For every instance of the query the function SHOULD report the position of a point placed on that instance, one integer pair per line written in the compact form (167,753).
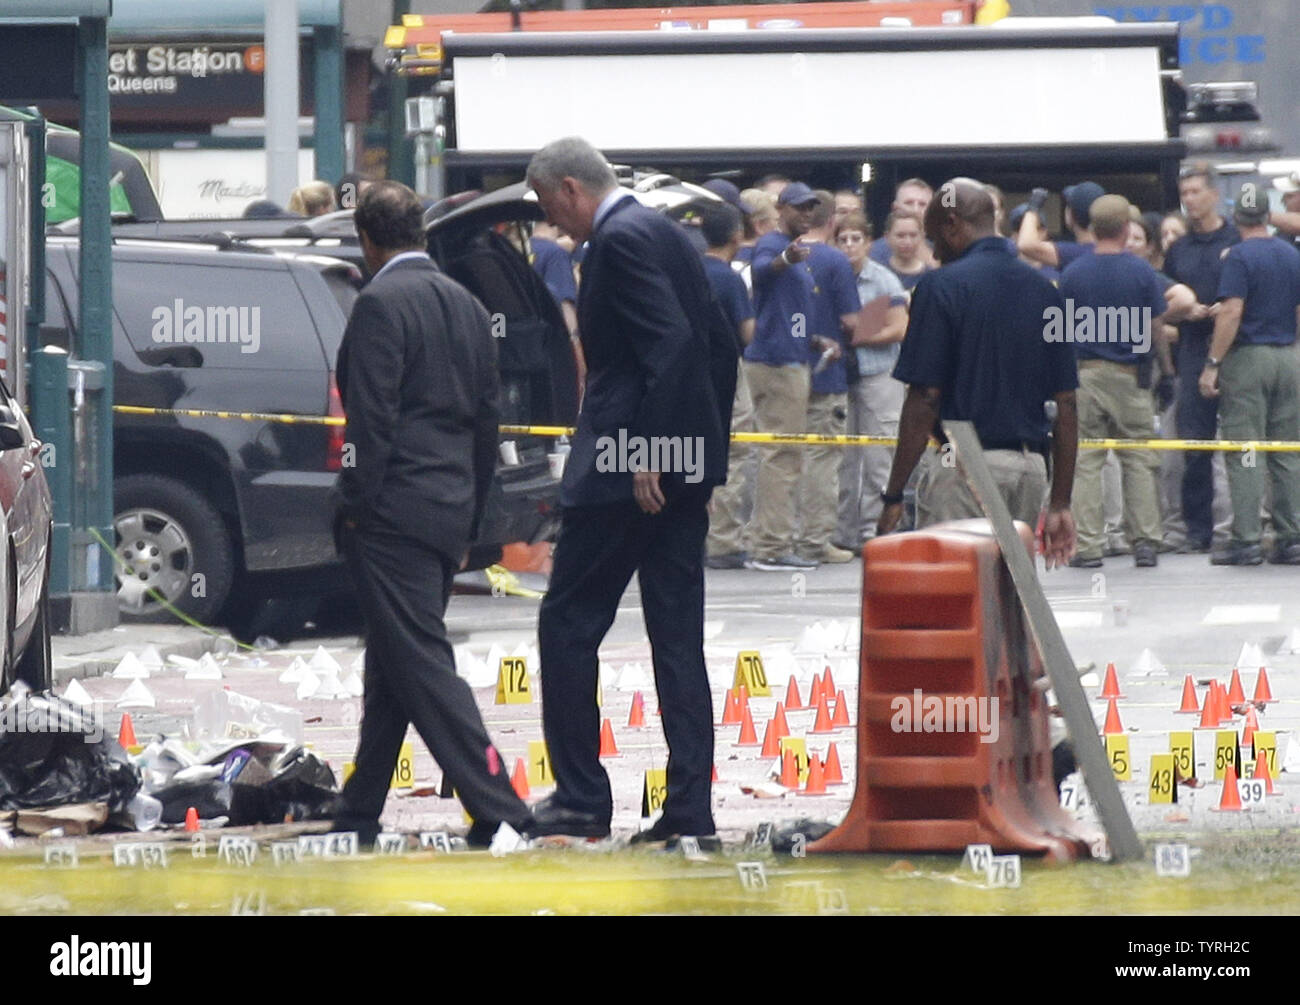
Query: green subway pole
(327,68)
(401,152)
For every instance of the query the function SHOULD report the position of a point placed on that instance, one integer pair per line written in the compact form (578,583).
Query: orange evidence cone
(607,746)
(816,778)
(840,720)
(1110,686)
(714,776)
(823,723)
(814,692)
(742,696)
(1210,711)
(126,733)
(519,780)
(789,771)
(731,709)
(192,820)
(1263,693)
(834,773)
(1113,724)
(1190,705)
(771,740)
(828,684)
(778,719)
(1230,801)
(792,700)
(748,737)
(636,718)
(1261,771)
(1235,693)
(1224,706)
(1252,724)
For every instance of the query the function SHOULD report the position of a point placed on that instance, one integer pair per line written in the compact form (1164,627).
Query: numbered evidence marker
(1265,743)
(539,764)
(150,856)
(403,772)
(1161,788)
(390,844)
(1226,751)
(1118,754)
(977,858)
(1004,871)
(1180,745)
(1252,792)
(1072,794)
(64,854)
(1173,860)
(235,850)
(749,671)
(799,746)
(512,682)
(655,791)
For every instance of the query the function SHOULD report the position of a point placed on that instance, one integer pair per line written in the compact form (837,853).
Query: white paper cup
(509,453)
(556,462)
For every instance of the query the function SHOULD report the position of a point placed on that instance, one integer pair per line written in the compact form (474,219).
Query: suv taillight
(334,445)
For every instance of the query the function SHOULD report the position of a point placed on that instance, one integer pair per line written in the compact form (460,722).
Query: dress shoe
(671,836)
(1190,547)
(552,818)
(1285,554)
(1239,554)
(1144,555)
(1079,562)
(734,560)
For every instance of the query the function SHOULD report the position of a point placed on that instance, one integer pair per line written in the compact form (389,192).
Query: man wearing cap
(1196,260)
(1059,254)
(779,376)
(1251,367)
(976,350)
(1114,304)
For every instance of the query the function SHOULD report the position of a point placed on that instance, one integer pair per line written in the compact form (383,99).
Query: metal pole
(96,258)
(401,164)
(328,88)
(280,99)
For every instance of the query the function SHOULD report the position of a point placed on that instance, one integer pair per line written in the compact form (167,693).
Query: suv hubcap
(154,553)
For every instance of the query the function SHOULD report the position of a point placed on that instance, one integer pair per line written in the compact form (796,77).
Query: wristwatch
(1213,363)
(889,500)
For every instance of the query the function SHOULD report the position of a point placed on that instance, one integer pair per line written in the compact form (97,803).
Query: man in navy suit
(651,443)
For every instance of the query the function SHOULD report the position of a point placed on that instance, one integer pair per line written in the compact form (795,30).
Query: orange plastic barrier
(940,615)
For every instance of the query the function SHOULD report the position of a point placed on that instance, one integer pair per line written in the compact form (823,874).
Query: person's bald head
(961,213)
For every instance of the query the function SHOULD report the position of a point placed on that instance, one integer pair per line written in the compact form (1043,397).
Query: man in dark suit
(418,377)
(651,443)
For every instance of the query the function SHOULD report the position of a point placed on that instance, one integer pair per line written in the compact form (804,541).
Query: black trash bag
(55,753)
(801,833)
(302,789)
(213,798)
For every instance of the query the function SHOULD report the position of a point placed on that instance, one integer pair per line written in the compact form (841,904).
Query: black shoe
(1190,547)
(671,835)
(1239,554)
(1285,554)
(735,560)
(552,818)
(1144,555)
(1079,562)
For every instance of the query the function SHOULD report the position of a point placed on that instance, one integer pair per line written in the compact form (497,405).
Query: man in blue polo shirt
(778,374)
(975,350)
(835,309)
(1114,303)
(1252,365)
(1059,254)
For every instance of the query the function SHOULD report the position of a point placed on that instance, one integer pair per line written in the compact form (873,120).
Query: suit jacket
(417,372)
(661,357)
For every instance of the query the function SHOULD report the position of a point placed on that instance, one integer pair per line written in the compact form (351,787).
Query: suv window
(235,317)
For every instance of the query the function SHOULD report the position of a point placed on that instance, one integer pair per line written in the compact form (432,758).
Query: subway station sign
(175,70)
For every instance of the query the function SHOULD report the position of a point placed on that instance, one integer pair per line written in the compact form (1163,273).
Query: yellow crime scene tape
(803,439)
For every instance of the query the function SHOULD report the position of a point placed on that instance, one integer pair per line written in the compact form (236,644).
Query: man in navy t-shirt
(1113,305)
(778,374)
(975,350)
(723,231)
(835,309)
(1059,254)
(1252,365)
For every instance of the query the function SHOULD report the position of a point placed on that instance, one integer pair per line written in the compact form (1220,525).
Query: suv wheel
(171,544)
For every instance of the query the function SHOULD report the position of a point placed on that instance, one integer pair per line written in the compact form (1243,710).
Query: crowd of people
(823,312)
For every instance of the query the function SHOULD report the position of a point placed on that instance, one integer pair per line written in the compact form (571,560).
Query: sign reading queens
(162,69)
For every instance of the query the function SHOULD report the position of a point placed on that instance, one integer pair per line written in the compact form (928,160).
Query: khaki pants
(942,493)
(875,403)
(1261,401)
(726,525)
(817,495)
(780,395)
(1112,405)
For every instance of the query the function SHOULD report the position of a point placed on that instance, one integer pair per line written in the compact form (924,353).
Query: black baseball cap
(724,189)
(1080,198)
(796,194)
